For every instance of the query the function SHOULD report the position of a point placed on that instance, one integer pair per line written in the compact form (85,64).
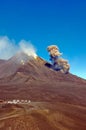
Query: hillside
(58,101)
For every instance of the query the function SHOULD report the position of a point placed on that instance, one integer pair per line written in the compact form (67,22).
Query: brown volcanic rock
(36,81)
(2,61)
(43,116)
(59,99)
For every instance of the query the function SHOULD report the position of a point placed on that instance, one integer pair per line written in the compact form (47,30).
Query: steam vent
(58,63)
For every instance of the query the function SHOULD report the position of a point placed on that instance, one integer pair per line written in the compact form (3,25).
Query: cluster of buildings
(17,101)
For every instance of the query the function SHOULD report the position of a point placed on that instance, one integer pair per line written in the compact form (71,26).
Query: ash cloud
(8,48)
(57,62)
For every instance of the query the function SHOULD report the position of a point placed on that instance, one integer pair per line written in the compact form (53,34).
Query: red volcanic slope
(2,61)
(23,77)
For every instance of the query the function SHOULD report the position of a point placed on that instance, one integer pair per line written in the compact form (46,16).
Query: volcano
(24,77)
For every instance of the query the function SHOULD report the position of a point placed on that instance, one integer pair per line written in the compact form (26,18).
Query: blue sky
(46,22)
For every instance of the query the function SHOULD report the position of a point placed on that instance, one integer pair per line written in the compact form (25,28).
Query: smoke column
(27,48)
(58,63)
(8,48)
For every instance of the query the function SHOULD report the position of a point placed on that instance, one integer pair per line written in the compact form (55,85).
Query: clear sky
(46,22)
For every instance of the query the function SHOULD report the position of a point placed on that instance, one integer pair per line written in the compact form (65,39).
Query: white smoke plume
(27,48)
(8,48)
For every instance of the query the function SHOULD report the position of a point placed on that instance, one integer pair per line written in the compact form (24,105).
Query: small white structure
(10,102)
(29,101)
(17,101)
(14,101)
